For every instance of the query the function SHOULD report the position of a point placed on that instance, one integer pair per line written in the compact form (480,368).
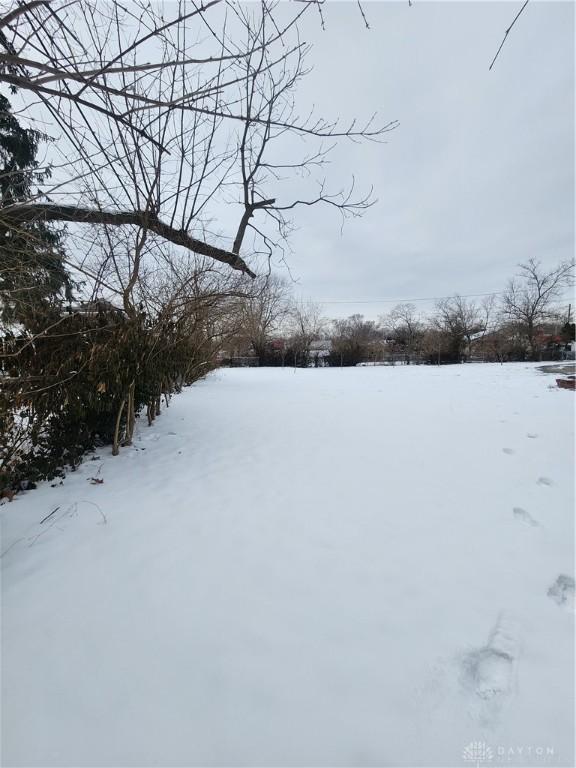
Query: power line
(400,301)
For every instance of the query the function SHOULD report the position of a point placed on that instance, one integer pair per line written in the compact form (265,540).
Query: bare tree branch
(507,33)
(23,213)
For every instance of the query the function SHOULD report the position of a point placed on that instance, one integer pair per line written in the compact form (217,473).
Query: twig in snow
(50,515)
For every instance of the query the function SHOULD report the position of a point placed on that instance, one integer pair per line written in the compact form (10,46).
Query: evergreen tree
(33,278)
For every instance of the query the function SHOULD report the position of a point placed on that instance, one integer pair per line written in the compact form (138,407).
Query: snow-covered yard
(352,567)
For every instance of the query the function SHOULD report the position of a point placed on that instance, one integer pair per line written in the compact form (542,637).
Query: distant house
(238,358)
(320,352)
(93,308)
(321,347)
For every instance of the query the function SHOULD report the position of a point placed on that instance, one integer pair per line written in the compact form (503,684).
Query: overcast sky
(478,177)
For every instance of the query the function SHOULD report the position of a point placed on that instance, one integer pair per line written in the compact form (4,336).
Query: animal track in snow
(532,435)
(522,514)
(562,591)
(544,481)
(151,436)
(508,451)
(488,673)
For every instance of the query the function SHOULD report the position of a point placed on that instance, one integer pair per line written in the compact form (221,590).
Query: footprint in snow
(544,481)
(522,514)
(562,591)
(508,451)
(489,674)
(532,435)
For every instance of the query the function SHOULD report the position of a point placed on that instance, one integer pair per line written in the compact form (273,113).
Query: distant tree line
(527,321)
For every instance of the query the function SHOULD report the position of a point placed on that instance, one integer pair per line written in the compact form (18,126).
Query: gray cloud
(480,174)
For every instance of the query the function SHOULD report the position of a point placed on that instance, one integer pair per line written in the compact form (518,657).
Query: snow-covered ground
(351,567)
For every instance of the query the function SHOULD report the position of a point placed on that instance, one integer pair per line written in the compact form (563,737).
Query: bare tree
(163,118)
(355,340)
(458,319)
(269,108)
(529,299)
(407,329)
(262,310)
(305,325)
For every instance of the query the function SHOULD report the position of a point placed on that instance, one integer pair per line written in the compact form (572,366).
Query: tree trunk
(115,444)
(130,415)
